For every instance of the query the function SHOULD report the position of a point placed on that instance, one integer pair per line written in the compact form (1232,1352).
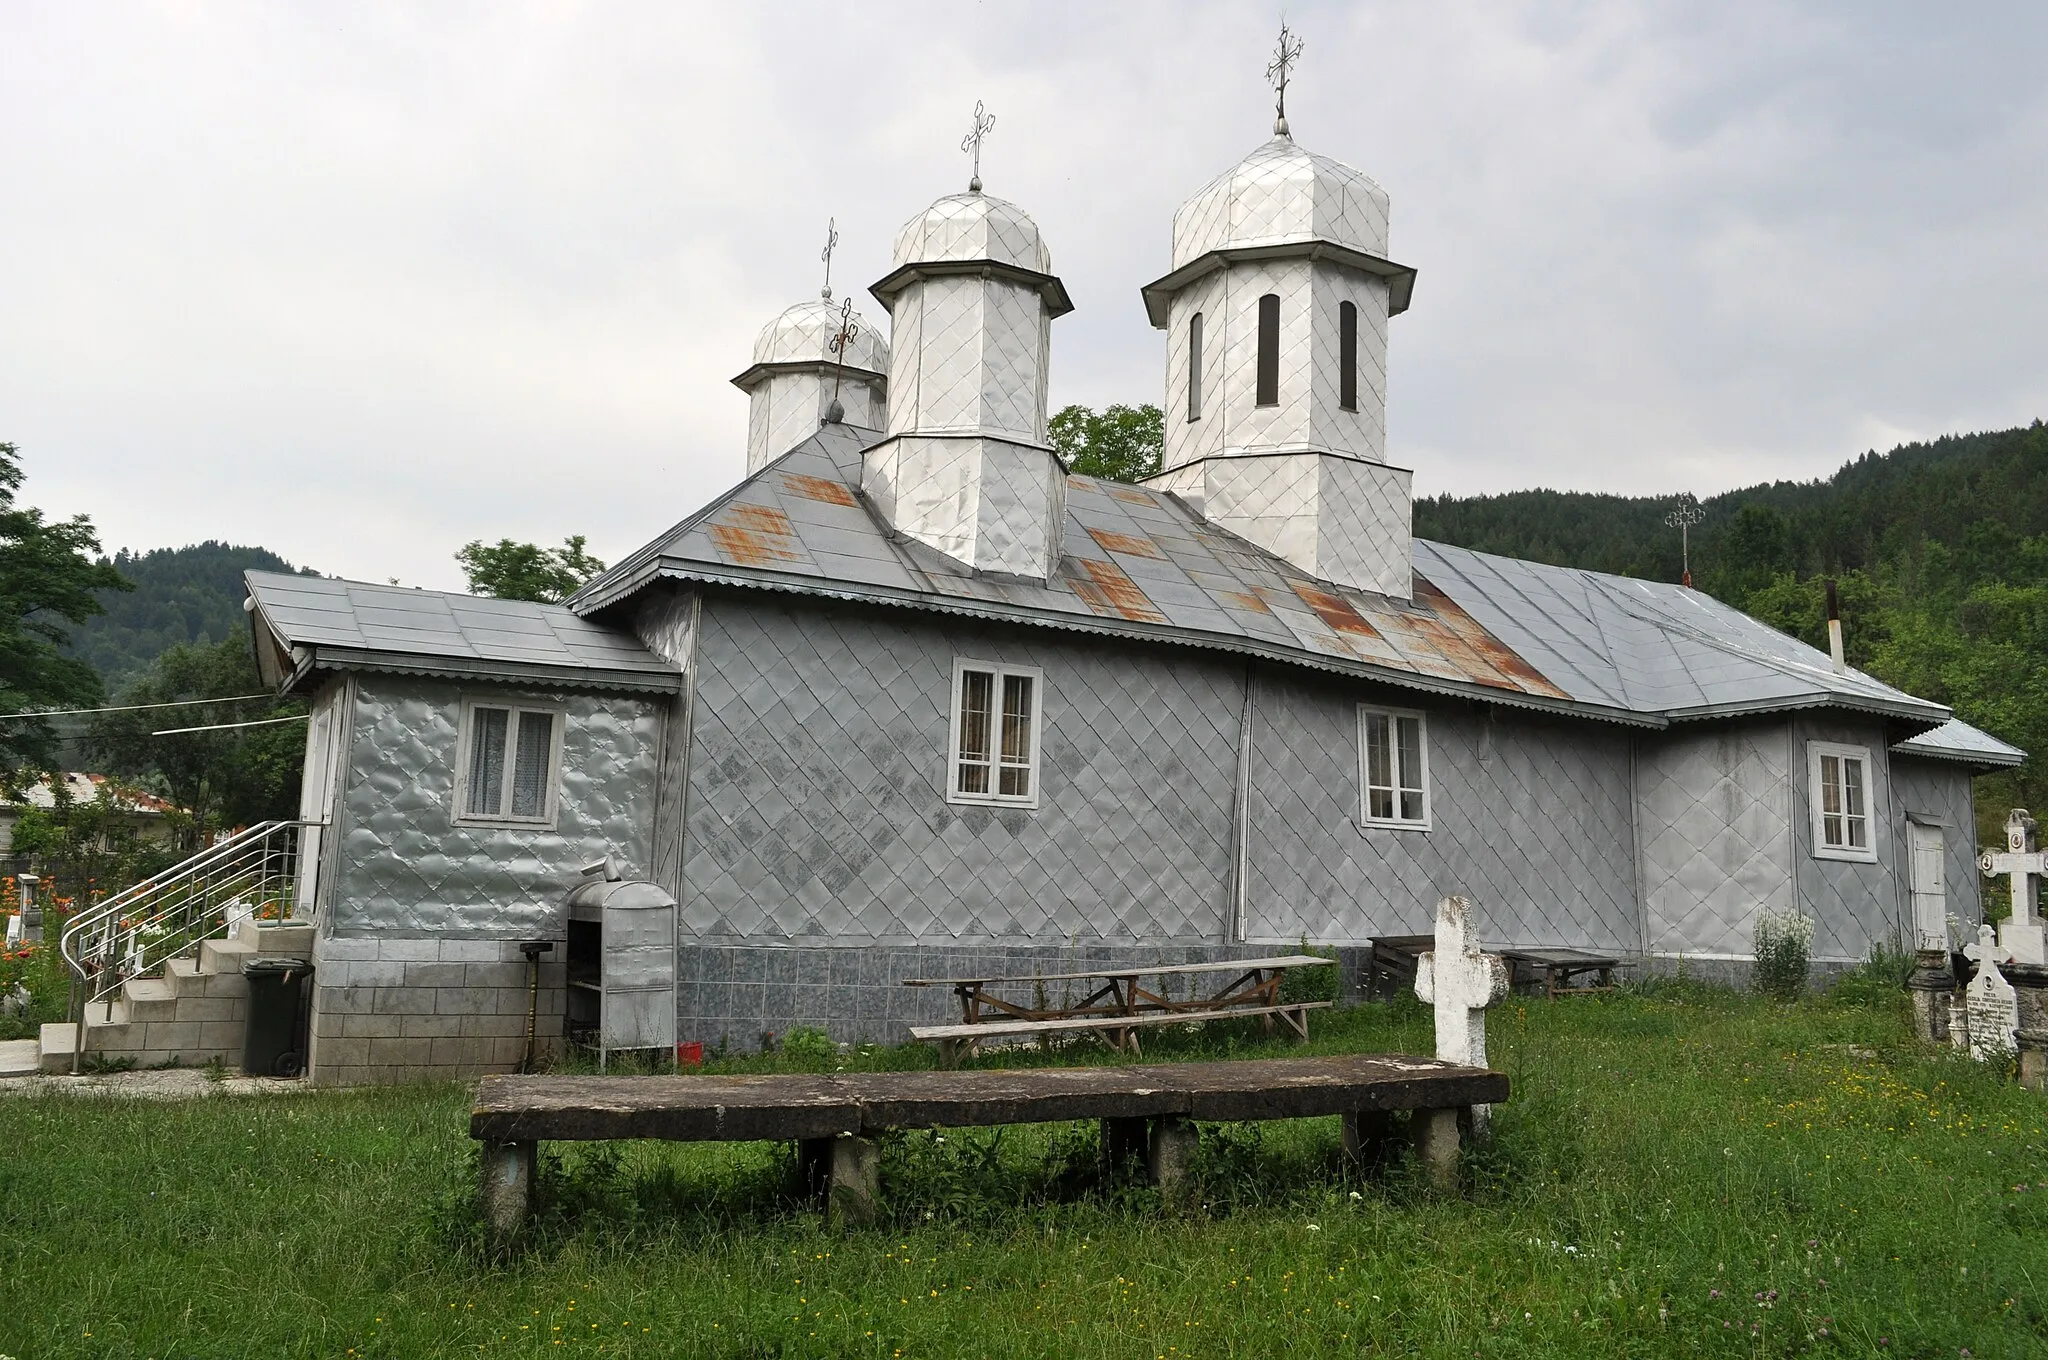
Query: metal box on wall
(622,967)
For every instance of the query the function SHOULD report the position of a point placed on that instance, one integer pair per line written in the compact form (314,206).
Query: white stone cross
(2022,934)
(1990,1004)
(1460,981)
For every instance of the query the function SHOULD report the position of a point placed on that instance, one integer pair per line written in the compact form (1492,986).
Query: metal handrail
(136,931)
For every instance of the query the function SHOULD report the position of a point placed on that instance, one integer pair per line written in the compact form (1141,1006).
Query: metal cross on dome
(984,123)
(1284,57)
(831,240)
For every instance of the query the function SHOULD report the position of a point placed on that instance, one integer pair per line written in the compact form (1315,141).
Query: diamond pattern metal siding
(970,356)
(804,333)
(1712,808)
(1281,192)
(1940,790)
(406,867)
(1188,440)
(1531,820)
(818,809)
(1363,432)
(1363,523)
(787,408)
(1853,905)
(1023,495)
(1248,424)
(973,227)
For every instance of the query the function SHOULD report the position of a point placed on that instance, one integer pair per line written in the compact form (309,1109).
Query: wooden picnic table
(1118,1007)
(1391,966)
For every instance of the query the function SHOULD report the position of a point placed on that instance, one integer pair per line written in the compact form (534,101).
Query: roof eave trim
(759,373)
(1932,714)
(1400,277)
(686,570)
(329,658)
(1057,303)
(1990,760)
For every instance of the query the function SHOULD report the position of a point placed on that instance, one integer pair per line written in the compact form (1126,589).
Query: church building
(914,699)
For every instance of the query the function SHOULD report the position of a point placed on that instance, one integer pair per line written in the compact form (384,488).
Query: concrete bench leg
(505,1187)
(1436,1143)
(1170,1155)
(853,1193)
(1368,1136)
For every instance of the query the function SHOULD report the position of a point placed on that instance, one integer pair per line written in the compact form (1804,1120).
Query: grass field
(1681,1172)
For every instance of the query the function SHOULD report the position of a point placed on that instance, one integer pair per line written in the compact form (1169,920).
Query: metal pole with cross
(1683,516)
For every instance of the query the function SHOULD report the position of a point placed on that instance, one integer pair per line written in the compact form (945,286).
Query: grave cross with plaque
(2022,934)
(1991,1008)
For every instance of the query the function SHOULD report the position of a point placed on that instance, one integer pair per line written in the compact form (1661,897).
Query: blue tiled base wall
(732,996)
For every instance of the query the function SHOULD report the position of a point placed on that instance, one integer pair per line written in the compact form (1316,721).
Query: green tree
(527,571)
(47,580)
(1121,443)
(221,778)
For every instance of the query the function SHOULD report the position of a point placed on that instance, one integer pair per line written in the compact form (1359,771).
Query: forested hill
(191,594)
(1941,550)
(1974,493)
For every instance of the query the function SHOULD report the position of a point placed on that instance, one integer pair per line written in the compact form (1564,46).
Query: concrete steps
(194,1014)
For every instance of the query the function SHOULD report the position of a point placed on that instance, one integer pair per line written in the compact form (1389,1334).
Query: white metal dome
(803,334)
(1282,194)
(973,226)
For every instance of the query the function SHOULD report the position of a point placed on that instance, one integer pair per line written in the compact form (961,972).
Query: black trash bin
(274,1044)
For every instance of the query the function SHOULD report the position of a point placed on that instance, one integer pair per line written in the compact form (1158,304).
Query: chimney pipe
(1835,628)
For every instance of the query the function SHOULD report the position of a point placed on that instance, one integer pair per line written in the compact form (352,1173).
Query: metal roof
(1140,563)
(319,624)
(1957,740)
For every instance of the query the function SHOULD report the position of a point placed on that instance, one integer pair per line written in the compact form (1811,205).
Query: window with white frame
(1838,784)
(995,734)
(510,754)
(1393,768)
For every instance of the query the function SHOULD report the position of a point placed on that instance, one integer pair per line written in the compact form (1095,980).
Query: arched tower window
(1195,367)
(1269,350)
(1347,355)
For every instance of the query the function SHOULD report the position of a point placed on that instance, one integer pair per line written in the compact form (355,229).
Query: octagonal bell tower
(1276,315)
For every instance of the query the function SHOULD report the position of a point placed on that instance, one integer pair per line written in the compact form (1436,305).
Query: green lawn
(1682,1172)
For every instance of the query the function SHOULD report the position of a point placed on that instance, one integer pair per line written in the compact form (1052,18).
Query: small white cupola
(1276,317)
(812,356)
(968,468)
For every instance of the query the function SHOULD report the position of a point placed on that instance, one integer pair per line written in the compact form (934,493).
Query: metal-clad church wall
(1854,904)
(1531,819)
(406,867)
(1942,791)
(818,812)
(1712,808)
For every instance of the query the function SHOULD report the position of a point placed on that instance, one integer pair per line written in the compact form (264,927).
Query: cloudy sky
(363,282)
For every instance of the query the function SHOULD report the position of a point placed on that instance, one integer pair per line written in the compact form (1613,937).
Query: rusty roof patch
(1131,545)
(1107,590)
(1467,634)
(1334,610)
(1245,599)
(1126,493)
(817,489)
(755,536)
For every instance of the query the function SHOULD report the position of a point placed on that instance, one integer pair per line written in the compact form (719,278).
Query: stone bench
(1119,1029)
(834,1118)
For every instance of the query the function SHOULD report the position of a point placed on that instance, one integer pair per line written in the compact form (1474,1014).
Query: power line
(132,708)
(222,727)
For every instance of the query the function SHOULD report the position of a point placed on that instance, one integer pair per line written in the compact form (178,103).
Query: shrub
(1311,984)
(808,1048)
(1782,941)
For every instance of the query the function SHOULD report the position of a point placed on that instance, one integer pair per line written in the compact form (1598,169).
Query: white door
(1930,902)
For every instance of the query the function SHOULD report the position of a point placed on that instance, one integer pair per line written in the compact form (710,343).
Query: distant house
(913,699)
(141,812)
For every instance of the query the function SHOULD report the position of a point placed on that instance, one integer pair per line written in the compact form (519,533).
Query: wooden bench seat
(835,1117)
(953,1039)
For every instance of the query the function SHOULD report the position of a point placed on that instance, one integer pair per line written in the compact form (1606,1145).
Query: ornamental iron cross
(984,123)
(841,338)
(831,240)
(1683,516)
(1284,57)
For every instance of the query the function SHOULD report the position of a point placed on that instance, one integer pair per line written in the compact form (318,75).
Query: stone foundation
(396,1010)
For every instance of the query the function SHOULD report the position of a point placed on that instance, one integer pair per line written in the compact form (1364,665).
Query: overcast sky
(360,283)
